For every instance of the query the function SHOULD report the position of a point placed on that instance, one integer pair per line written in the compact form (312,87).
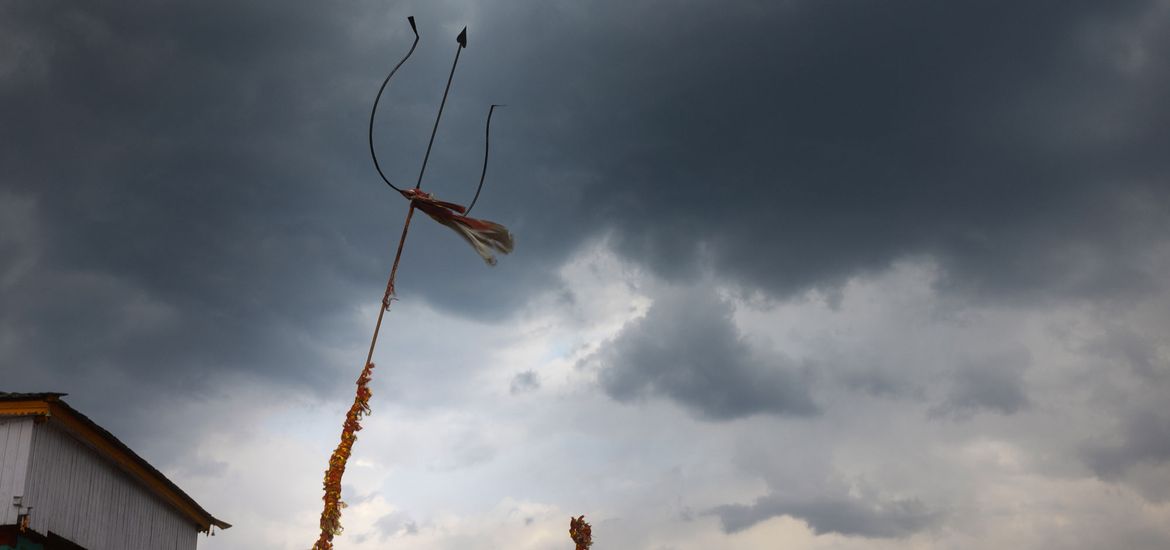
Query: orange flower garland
(580,532)
(331,515)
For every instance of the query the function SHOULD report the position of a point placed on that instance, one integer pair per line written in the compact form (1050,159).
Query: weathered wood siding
(15,444)
(89,500)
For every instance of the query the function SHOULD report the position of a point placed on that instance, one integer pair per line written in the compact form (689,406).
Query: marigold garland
(331,514)
(581,532)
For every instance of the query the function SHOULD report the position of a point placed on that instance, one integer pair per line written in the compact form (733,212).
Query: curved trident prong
(378,98)
(487,141)
(487,237)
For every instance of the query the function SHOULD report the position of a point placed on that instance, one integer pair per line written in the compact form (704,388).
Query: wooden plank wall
(82,496)
(15,444)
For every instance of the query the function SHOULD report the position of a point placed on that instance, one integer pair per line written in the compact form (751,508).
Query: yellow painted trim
(23,408)
(128,463)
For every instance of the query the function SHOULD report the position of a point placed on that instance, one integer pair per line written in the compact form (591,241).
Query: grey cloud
(894,518)
(524,382)
(1137,351)
(995,383)
(187,201)
(1144,438)
(464,447)
(210,161)
(396,523)
(192,197)
(794,145)
(880,382)
(169,248)
(201,467)
(688,349)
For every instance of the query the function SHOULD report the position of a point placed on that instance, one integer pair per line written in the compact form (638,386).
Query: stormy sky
(791,274)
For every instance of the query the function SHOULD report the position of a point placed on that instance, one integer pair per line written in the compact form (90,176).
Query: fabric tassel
(485,236)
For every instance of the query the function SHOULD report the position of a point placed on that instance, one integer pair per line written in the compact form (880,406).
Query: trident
(485,236)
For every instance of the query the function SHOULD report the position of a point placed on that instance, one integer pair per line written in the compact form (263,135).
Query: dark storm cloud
(167,154)
(199,200)
(995,383)
(688,349)
(795,144)
(1144,438)
(835,514)
(194,195)
(182,175)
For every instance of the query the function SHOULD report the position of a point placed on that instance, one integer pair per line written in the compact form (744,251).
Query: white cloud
(452,459)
